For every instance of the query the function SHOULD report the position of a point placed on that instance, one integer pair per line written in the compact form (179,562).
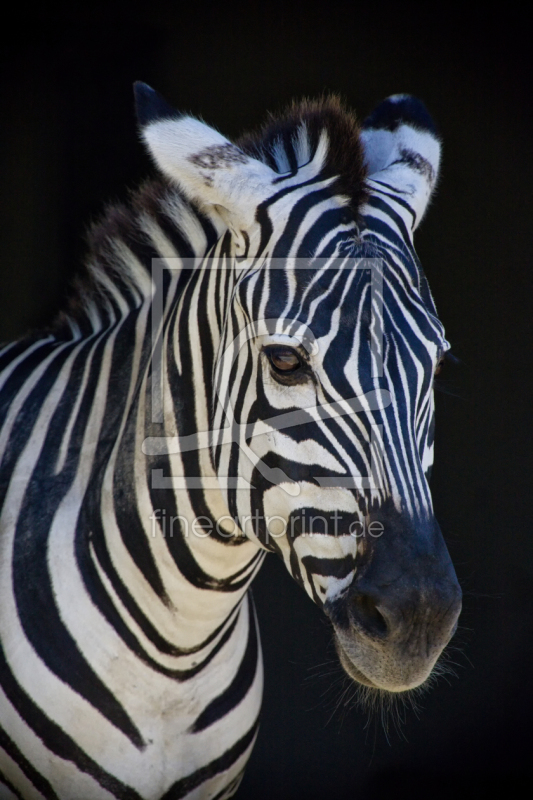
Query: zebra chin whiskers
(337,695)
(390,710)
(383,709)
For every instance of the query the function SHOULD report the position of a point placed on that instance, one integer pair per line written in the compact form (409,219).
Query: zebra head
(327,342)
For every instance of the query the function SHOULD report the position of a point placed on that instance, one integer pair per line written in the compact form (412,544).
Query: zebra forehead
(311,295)
(285,140)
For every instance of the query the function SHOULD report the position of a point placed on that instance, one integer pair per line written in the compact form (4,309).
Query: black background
(68,143)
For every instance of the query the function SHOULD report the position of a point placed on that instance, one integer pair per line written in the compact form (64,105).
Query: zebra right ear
(402,150)
(207,167)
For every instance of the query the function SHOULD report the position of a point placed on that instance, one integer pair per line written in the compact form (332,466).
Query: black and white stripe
(146,438)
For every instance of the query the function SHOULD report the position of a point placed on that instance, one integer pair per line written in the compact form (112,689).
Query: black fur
(345,156)
(151,106)
(402,109)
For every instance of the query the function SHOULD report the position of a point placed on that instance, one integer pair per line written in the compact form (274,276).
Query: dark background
(68,143)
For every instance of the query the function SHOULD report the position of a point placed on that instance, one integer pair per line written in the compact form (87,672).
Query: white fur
(386,163)
(184,150)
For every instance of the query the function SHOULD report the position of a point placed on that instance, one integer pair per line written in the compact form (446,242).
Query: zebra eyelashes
(444,379)
(440,364)
(446,360)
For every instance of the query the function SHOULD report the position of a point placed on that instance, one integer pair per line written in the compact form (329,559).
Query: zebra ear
(402,150)
(207,167)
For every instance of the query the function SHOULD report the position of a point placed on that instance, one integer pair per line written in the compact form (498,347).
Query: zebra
(250,347)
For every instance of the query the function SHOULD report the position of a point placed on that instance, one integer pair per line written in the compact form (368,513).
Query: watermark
(228,430)
(274,526)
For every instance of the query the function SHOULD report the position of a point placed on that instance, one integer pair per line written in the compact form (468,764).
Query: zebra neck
(159,523)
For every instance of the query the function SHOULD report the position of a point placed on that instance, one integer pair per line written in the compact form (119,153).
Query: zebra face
(336,454)
(325,370)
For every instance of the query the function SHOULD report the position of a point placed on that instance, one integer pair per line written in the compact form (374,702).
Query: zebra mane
(159,222)
(156,222)
(289,140)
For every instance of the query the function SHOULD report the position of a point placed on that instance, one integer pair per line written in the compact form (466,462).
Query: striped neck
(158,524)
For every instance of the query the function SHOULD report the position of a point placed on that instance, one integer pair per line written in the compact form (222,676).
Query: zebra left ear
(402,150)
(207,167)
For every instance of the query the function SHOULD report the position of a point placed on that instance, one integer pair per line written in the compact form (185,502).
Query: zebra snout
(407,609)
(389,634)
(365,611)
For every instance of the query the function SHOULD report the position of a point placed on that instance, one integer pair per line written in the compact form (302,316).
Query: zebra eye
(439,365)
(283,359)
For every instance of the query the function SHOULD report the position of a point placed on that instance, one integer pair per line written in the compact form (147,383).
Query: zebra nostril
(365,612)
